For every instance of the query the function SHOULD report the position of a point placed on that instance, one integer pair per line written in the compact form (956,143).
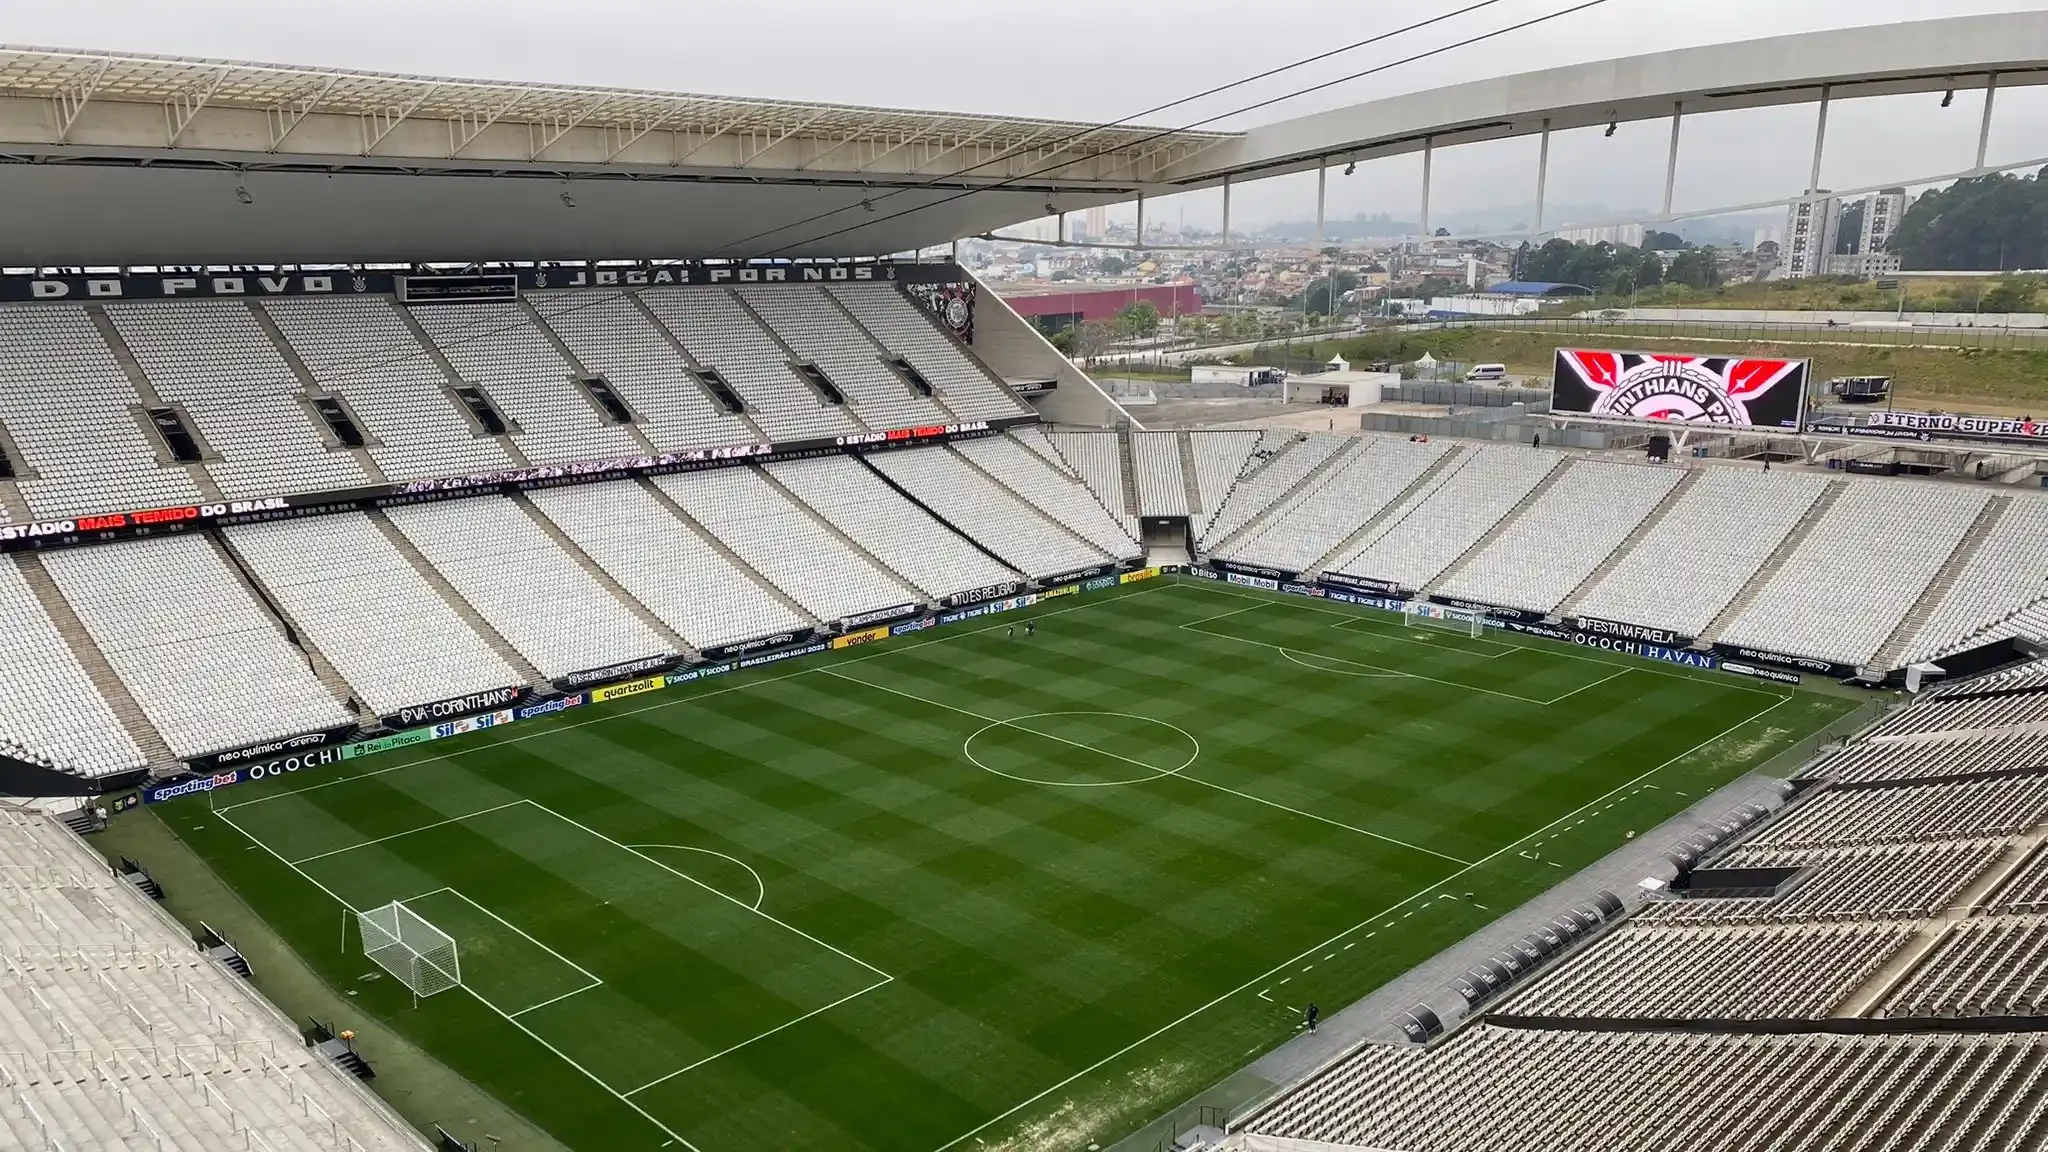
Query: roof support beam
(464,129)
(909,138)
(181,108)
(722,129)
(378,124)
(963,142)
(787,133)
(552,130)
(1984,129)
(285,117)
(630,134)
(71,101)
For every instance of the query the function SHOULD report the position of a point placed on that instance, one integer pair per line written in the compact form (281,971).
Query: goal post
(1425,614)
(407,945)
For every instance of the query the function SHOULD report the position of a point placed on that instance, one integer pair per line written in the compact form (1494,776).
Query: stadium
(737,686)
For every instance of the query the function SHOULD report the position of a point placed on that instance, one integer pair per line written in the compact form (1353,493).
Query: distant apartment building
(1625,235)
(1810,227)
(1098,222)
(1813,231)
(1882,212)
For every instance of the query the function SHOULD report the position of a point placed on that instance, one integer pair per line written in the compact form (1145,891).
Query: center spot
(1081,749)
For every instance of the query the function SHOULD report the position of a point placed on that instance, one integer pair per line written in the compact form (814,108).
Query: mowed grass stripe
(1032,931)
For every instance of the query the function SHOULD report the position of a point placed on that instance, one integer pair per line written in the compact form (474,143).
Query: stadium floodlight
(1611,126)
(1949,97)
(568,201)
(1351,167)
(403,943)
(242,194)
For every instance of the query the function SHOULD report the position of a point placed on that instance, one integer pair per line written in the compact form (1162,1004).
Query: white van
(1487,374)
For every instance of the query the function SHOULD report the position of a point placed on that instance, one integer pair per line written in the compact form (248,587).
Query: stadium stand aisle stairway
(1220,457)
(664,563)
(899,324)
(70,411)
(408,647)
(808,323)
(58,695)
(496,557)
(497,348)
(988,513)
(1157,480)
(1857,545)
(361,349)
(219,366)
(1097,459)
(207,663)
(1050,493)
(1361,484)
(722,335)
(1445,520)
(1267,482)
(784,543)
(1565,531)
(917,547)
(2004,574)
(611,335)
(671,641)
(1923,607)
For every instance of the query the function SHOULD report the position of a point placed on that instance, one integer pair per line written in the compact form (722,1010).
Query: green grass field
(960,890)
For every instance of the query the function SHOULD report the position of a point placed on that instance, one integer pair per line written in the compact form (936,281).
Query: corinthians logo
(1680,388)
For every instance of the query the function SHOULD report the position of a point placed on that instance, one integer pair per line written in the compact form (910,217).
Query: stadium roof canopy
(122,159)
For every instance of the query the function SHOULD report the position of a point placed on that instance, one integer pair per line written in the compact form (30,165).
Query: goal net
(1423,614)
(403,943)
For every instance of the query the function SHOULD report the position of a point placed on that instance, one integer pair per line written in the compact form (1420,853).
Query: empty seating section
(525,587)
(905,328)
(612,338)
(1852,882)
(1565,536)
(1155,459)
(1093,456)
(1067,501)
(990,513)
(662,563)
(1985,966)
(119,1034)
(1705,550)
(1967,714)
(1435,526)
(2026,890)
(1302,529)
(2005,574)
(499,349)
(815,330)
(361,349)
(1904,759)
(777,539)
(2032,674)
(212,358)
(1886,541)
(720,335)
(49,704)
(1219,458)
(1912,812)
(206,662)
(1742,972)
(364,606)
(892,529)
(1290,464)
(1583,1091)
(76,422)
(2029,622)
(1034,438)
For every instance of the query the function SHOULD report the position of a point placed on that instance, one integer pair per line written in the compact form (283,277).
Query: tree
(1443,232)
(1649,271)
(1140,319)
(1319,298)
(2011,294)
(1657,241)
(1990,222)
(1696,268)
(1111,265)
(1062,275)
(1063,340)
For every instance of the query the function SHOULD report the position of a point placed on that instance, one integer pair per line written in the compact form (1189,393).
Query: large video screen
(1681,388)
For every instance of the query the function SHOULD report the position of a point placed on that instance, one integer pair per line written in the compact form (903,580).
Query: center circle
(1090,749)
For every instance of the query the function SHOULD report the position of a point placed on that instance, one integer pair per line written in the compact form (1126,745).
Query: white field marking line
(464,897)
(555,999)
(763,1036)
(1226,615)
(691,697)
(564,1057)
(1261,977)
(1153,770)
(1179,773)
(1294,658)
(1283,649)
(1619,673)
(409,832)
(1306,604)
(759,884)
(574,823)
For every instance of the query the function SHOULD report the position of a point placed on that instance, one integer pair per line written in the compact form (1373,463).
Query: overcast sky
(1100,60)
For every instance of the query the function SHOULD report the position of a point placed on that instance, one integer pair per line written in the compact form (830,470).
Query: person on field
(1031,628)
(1313,1014)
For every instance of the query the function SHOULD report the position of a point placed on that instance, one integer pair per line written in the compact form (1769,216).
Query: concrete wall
(1844,319)
(1465,395)
(1012,347)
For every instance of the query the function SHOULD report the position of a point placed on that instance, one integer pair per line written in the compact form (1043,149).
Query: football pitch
(965,889)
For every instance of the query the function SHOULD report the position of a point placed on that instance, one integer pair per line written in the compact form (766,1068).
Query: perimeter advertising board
(1680,388)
